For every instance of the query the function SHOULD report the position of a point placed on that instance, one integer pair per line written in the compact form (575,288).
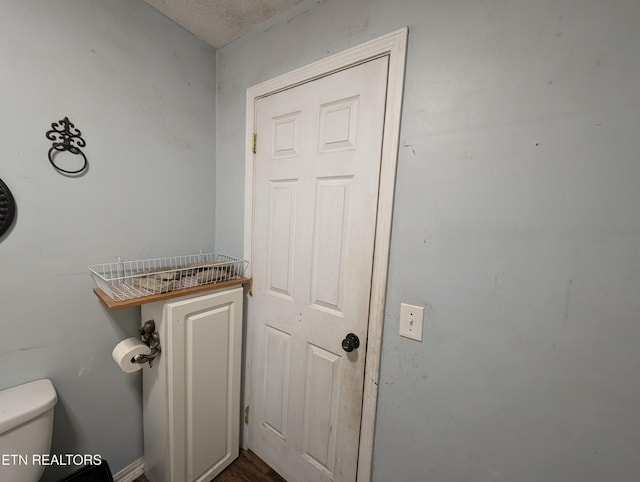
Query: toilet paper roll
(124,352)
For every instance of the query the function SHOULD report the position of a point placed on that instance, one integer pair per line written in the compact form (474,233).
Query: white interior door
(316,179)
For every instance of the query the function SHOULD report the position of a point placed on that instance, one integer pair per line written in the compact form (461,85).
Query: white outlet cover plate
(411,320)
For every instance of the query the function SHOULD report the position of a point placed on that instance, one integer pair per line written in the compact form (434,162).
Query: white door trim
(393,45)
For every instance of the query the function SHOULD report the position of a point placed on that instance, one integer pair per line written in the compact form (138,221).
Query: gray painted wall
(141,90)
(516,225)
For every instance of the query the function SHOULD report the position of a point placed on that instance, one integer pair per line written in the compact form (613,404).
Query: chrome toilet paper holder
(151,338)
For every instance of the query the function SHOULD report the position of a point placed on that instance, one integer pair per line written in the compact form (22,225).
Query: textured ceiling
(218,22)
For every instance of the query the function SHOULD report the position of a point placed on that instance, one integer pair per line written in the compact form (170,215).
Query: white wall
(141,90)
(516,224)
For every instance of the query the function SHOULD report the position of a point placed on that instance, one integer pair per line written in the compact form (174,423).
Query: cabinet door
(203,373)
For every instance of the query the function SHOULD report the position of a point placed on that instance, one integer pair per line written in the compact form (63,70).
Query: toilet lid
(7,208)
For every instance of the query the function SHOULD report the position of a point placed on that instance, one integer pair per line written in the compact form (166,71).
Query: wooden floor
(246,468)
(249,468)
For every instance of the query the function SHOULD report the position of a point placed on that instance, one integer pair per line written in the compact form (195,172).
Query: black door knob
(351,342)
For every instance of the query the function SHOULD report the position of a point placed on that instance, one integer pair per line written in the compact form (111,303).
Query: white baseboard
(132,471)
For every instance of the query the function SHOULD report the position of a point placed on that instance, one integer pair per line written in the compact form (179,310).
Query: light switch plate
(411,320)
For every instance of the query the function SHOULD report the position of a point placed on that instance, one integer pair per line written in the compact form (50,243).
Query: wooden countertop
(117,305)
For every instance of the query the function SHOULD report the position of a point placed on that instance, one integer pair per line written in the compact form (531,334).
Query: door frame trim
(393,45)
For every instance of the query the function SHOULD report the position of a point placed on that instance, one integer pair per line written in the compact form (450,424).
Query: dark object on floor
(91,473)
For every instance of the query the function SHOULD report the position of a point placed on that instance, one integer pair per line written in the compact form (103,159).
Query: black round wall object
(7,208)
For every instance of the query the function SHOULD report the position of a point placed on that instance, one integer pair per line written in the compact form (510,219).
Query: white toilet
(26,425)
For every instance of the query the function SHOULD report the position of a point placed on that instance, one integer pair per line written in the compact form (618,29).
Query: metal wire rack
(126,280)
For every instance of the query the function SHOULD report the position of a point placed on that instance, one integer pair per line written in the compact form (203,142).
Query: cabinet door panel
(203,362)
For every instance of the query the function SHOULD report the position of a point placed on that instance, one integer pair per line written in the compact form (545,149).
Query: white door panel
(191,394)
(204,372)
(317,170)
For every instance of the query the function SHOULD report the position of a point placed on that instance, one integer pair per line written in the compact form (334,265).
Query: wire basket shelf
(127,280)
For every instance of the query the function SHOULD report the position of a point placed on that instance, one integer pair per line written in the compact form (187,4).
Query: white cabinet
(191,395)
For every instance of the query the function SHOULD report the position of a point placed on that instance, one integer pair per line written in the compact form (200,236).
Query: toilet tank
(26,426)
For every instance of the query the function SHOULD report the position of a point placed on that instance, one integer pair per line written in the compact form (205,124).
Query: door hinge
(254,142)
(246,415)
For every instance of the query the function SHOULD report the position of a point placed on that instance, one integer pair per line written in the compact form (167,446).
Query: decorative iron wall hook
(66,137)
